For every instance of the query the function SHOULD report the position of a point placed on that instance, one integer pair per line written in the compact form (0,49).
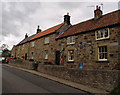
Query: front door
(57,57)
(26,56)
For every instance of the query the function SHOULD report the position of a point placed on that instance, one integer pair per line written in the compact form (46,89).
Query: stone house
(94,43)
(44,49)
(13,51)
(41,46)
(22,49)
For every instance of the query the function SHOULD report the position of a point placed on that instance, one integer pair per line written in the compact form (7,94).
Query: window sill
(102,39)
(70,43)
(70,61)
(102,61)
(46,43)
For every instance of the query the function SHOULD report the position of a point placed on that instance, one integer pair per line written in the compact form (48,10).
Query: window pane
(100,56)
(73,39)
(103,52)
(106,32)
(105,48)
(102,49)
(68,39)
(71,55)
(101,34)
(105,55)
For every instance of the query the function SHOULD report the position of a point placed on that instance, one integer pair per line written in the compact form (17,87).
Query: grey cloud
(19,18)
(71,5)
(17,13)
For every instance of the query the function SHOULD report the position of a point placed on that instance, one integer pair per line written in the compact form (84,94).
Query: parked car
(8,59)
(1,59)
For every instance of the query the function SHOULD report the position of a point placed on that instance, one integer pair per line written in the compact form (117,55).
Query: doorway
(26,56)
(57,57)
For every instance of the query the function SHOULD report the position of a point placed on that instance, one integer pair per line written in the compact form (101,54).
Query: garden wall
(101,79)
(25,64)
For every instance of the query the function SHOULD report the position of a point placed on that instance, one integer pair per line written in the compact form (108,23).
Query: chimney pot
(38,30)
(99,8)
(96,7)
(26,36)
(67,13)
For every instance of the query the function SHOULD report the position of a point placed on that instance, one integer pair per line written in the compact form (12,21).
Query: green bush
(35,65)
(48,63)
(31,60)
(18,60)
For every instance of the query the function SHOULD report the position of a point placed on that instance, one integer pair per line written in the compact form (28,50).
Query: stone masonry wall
(24,64)
(40,48)
(101,79)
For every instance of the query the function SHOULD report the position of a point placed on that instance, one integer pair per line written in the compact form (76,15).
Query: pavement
(65,82)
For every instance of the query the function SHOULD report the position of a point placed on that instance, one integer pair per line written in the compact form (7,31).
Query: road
(18,81)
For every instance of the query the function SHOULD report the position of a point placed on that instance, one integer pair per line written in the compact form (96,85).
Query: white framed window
(71,55)
(33,44)
(102,53)
(46,54)
(102,34)
(71,40)
(46,40)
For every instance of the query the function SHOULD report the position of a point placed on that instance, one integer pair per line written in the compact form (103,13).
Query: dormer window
(102,34)
(71,40)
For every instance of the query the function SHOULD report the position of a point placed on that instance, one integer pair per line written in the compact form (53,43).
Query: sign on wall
(84,44)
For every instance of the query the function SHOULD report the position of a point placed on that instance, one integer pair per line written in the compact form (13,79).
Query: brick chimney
(38,30)
(26,35)
(97,12)
(67,19)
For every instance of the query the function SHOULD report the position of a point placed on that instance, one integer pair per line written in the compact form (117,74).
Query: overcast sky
(19,18)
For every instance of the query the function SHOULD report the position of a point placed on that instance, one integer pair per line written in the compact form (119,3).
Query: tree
(6,53)
(4,46)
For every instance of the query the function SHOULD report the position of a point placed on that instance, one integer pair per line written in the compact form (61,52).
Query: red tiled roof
(48,31)
(92,24)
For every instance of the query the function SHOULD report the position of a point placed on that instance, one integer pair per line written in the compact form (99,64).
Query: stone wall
(24,64)
(101,79)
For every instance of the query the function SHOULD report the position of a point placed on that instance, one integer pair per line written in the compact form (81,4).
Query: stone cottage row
(95,43)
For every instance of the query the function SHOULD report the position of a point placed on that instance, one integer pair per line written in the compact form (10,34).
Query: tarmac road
(18,81)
